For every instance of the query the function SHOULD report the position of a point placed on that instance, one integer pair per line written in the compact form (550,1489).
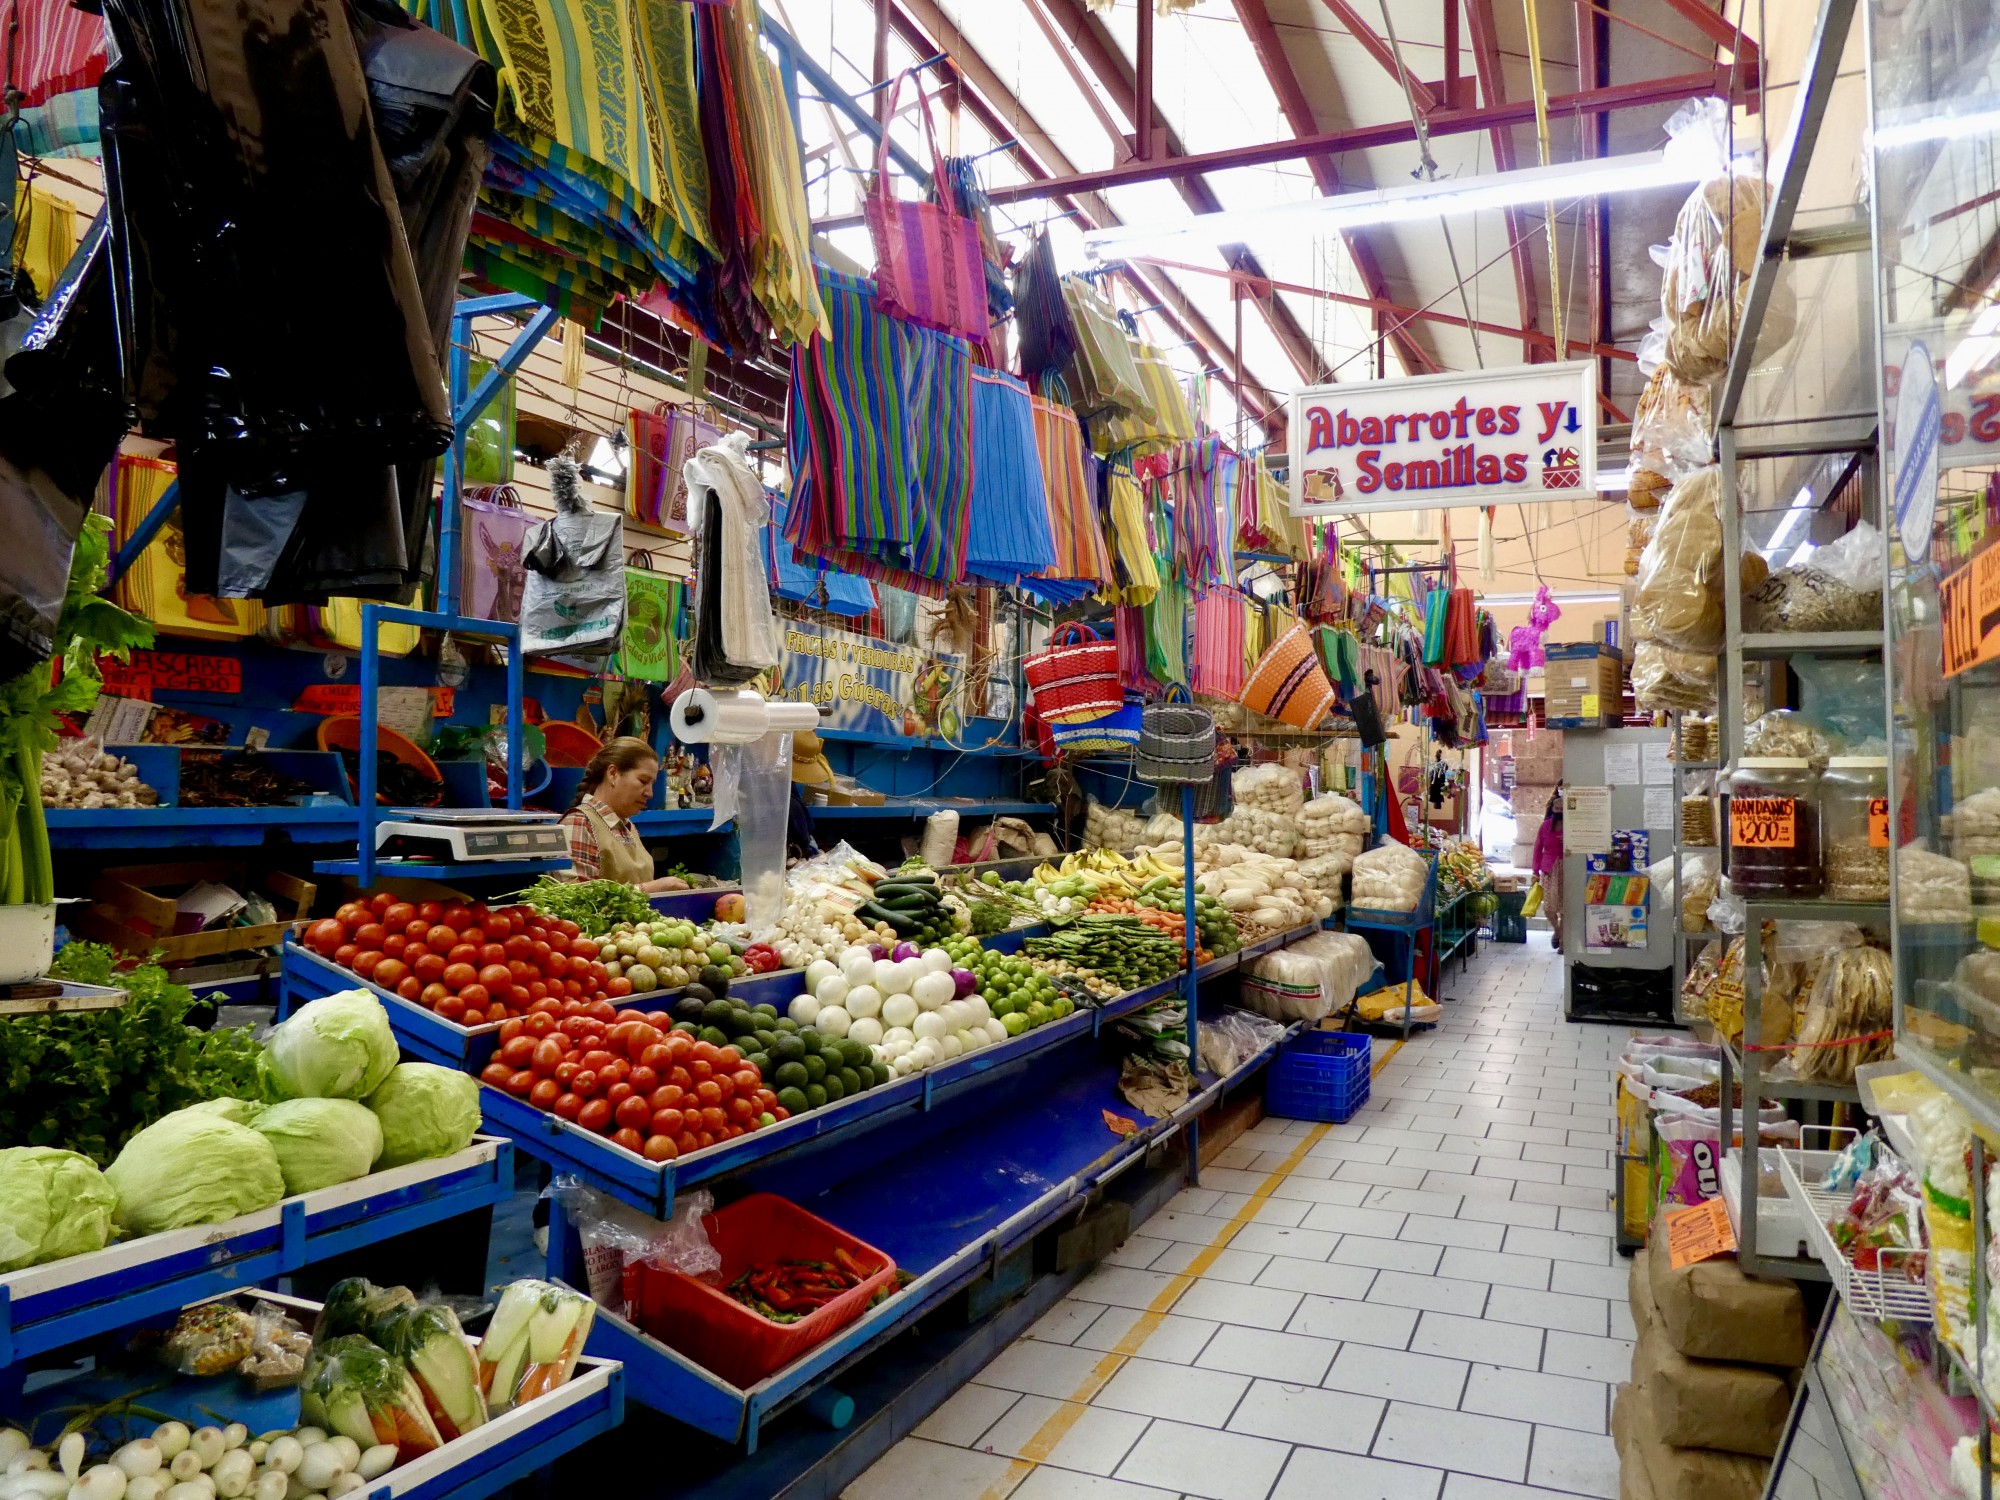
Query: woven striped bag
(1288,682)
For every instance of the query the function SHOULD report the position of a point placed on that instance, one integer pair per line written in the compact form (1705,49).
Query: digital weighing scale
(462,836)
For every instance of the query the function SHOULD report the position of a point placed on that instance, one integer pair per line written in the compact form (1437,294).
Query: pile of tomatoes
(626,1076)
(470,964)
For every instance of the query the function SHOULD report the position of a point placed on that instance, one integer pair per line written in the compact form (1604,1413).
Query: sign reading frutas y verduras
(1437,441)
(871,685)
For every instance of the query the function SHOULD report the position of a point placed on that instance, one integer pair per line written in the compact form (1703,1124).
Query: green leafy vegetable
(320,1141)
(336,1047)
(596,906)
(425,1111)
(193,1167)
(30,706)
(359,1390)
(87,1081)
(52,1204)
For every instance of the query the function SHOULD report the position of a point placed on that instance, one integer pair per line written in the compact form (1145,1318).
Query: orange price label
(1699,1233)
(1878,822)
(1763,822)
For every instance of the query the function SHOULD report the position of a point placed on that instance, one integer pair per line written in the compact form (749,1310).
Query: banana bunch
(1102,871)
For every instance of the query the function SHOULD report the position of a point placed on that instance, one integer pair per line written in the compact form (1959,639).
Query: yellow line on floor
(1037,1449)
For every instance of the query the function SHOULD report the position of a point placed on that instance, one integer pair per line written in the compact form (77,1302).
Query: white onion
(863,1000)
(865,1029)
(898,1011)
(949,1047)
(804,1010)
(832,1021)
(933,989)
(934,959)
(831,989)
(997,1029)
(892,978)
(817,970)
(928,1027)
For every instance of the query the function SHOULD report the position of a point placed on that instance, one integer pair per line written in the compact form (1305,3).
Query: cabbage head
(336,1047)
(236,1111)
(425,1111)
(320,1141)
(52,1204)
(193,1167)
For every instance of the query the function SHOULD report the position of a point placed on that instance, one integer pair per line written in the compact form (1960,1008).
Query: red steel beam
(927,30)
(1297,110)
(1719,29)
(1378,48)
(1142,89)
(1486,67)
(1066,54)
(1440,122)
(1104,59)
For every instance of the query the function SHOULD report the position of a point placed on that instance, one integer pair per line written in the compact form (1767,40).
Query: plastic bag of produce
(357,1389)
(1665,678)
(321,1141)
(533,1342)
(337,1047)
(1679,595)
(425,1111)
(193,1167)
(427,1338)
(1390,877)
(1847,1017)
(53,1204)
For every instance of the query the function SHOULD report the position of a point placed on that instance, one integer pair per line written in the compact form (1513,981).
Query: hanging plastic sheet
(573,598)
(736,635)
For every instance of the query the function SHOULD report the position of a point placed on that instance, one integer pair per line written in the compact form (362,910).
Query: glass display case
(1935,126)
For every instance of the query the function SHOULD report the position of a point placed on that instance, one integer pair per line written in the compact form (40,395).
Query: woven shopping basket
(1075,677)
(1288,682)
(1117,731)
(1176,741)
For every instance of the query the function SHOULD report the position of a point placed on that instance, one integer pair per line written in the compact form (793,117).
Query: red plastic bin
(722,1335)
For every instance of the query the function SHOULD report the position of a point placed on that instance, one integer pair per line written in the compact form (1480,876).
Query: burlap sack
(1711,1310)
(1698,1403)
(1649,1466)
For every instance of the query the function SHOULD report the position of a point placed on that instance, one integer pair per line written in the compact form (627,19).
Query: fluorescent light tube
(1794,514)
(1395,205)
(1511,601)
(1926,124)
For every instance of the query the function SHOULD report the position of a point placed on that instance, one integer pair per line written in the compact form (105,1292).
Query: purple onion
(877,951)
(966,982)
(905,950)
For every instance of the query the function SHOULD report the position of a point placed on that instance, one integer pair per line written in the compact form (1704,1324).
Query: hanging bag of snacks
(1076,677)
(929,268)
(1176,741)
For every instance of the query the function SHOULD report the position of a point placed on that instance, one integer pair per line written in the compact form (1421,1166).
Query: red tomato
(566,927)
(583,1082)
(538,951)
(539,1024)
(681,1079)
(344,954)
(666,1122)
(326,937)
(381,901)
(660,1148)
(521,1084)
(707,1052)
(496,978)
(491,952)
(517,1052)
(458,976)
(547,1055)
(352,915)
(700,1071)
(567,1105)
(683,1045)
(708,1091)
(618,1093)
(633,1111)
(400,914)
(390,972)
(616,1070)
(658,1056)
(394,944)
(728,1059)
(463,953)
(630,1139)
(429,967)
(435,995)
(441,939)
(473,935)
(667,1096)
(370,934)
(660,1019)
(599,975)
(644,1079)
(727,1084)
(747,1080)
(543,1006)
(566,1071)
(430,911)
(455,916)
(417,931)
(597,1058)
(713,1119)
(499,926)
(508,1033)
(573,987)
(583,947)
(520,945)
(604,1010)
(473,1016)
(496,1073)
(521,975)
(741,1109)
(474,996)
(364,963)
(596,1115)
(410,987)
(555,965)
(479,912)
(778,1111)
(545,1093)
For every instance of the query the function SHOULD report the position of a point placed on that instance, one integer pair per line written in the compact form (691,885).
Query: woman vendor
(603,845)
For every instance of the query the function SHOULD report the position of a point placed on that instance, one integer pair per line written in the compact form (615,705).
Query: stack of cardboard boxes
(1583,685)
(1538,766)
(1713,1374)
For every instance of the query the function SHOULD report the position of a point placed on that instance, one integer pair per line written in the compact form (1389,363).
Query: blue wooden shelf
(423,869)
(676,819)
(947,1208)
(195,827)
(46,1307)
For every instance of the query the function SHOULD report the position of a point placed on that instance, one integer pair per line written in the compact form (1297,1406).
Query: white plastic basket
(1888,1296)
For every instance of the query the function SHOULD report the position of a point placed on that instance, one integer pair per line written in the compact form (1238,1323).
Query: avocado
(784,1023)
(741,1023)
(697,992)
(765,1039)
(787,1048)
(815,1066)
(687,1028)
(714,1036)
(688,1008)
(761,1061)
(854,1054)
(835,1089)
(794,1100)
(815,1096)
(850,1080)
(714,979)
(882,1071)
(811,1040)
(767,1010)
(792,1075)
(717,1013)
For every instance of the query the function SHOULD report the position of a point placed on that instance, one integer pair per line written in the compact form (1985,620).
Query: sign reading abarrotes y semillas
(1482,437)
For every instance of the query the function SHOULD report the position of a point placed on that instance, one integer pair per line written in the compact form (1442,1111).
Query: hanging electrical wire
(1556,304)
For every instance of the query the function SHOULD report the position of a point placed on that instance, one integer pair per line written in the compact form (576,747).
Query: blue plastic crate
(1319,1075)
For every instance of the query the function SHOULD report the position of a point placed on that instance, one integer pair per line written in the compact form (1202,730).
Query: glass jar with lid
(1774,827)
(1854,827)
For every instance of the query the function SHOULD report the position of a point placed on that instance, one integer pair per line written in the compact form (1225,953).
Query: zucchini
(904,923)
(909,877)
(905,900)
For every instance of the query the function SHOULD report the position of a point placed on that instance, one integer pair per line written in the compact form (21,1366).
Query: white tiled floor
(1427,1305)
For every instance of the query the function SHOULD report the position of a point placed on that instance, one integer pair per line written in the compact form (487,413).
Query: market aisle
(1421,1304)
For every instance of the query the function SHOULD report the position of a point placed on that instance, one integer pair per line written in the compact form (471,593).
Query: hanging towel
(737,634)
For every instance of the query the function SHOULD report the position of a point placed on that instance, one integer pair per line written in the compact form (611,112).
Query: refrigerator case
(1618,955)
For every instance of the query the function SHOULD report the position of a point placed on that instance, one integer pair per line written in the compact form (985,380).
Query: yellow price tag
(1590,706)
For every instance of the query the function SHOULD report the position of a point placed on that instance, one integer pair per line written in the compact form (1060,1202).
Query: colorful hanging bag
(1288,682)
(492,536)
(929,268)
(647,651)
(662,441)
(1075,677)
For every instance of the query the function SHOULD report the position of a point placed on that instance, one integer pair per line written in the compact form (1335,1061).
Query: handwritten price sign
(150,672)
(1763,822)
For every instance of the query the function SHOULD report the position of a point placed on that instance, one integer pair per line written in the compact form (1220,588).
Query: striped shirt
(585,861)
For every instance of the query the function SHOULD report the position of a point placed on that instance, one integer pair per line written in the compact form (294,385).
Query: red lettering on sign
(151,672)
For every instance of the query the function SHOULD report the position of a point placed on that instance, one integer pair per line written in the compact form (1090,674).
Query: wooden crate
(125,912)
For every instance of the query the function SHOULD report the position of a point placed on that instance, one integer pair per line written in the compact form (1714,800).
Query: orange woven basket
(1288,682)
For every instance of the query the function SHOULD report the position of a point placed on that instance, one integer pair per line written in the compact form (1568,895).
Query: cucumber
(916,901)
(903,922)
